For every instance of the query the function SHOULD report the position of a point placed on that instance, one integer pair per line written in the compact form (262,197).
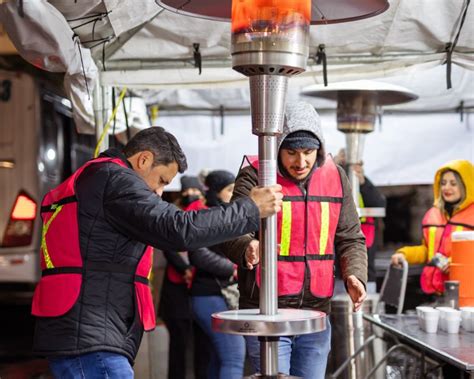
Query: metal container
(349,332)
(451,293)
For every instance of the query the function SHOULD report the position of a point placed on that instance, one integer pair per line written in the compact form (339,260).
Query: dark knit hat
(191,182)
(301,139)
(217,180)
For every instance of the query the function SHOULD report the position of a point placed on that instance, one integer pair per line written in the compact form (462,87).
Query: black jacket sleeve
(137,212)
(213,263)
(175,260)
(371,195)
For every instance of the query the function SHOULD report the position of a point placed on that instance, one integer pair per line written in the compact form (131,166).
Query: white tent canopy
(151,50)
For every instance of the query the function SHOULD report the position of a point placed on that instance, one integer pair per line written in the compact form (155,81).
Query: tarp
(405,45)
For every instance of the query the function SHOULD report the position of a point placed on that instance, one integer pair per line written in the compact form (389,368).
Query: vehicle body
(39,148)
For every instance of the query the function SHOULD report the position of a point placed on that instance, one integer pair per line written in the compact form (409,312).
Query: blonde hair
(440,203)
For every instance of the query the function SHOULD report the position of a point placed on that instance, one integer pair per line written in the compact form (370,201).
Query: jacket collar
(116,153)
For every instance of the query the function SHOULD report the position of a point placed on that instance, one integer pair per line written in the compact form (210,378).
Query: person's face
(157,177)
(450,190)
(191,192)
(298,163)
(226,193)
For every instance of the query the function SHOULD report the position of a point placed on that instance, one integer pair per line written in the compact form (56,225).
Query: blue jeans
(304,356)
(227,350)
(97,365)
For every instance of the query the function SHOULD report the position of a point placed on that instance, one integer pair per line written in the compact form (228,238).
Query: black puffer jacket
(213,272)
(118,215)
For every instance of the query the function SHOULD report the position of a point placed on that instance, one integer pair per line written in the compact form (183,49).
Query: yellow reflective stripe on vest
(47,258)
(431,242)
(285,228)
(361,205)
(323,238)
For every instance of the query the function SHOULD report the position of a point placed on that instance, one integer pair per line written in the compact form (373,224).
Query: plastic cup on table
(442,316)
(452,319)
(419,313)
(429,319)
(467,318)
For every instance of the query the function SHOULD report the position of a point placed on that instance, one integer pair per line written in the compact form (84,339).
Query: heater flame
(261,18)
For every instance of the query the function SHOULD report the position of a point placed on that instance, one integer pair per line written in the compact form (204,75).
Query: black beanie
(301,139)
(217,180)
(191,182)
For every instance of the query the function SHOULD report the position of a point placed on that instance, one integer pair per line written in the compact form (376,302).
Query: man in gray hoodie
(318,221)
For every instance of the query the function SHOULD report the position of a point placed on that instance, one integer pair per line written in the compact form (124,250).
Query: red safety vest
(437,230)
(61,259)
(306,228)
(173,275)
(367,226)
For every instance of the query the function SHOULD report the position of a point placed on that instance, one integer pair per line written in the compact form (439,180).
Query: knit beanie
(301,139)
(217,180)
(191,182)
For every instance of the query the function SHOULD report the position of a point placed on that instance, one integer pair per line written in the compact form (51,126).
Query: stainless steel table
(455,349)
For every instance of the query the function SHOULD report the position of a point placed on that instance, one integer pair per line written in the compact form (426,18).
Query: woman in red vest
(453,210)
(175,307)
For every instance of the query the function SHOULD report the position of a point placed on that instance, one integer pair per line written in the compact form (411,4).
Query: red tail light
(19,231)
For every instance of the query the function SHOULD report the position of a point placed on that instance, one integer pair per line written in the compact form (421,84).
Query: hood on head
(301,116)
(465,169)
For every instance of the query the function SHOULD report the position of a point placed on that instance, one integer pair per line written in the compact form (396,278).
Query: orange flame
(269,15)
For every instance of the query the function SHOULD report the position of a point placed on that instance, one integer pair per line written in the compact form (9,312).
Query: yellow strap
(458,228)
(150,273)
(431,242)
(285,228)
(323,237)
(107,125)
(47,258)
(361,205)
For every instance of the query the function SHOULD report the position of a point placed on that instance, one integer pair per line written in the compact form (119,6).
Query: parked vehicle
(39,148)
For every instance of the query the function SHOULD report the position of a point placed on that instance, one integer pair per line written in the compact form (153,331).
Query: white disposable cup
(430,319)
(419,313)
(442,316)
(467,318)
(452,321)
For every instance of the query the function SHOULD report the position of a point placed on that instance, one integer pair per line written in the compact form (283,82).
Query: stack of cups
(428,319)
(449,319)
(467,318)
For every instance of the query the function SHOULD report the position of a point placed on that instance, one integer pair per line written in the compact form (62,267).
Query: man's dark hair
(162,144)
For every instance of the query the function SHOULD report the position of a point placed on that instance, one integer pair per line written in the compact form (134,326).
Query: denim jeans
(227,351)
(304,356)
(97,365)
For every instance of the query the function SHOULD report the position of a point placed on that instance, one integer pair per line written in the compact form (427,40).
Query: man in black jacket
(115,211)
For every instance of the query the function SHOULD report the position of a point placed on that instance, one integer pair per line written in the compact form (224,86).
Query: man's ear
(145,160)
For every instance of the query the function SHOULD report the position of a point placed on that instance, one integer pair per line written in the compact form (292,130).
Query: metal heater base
(287,322)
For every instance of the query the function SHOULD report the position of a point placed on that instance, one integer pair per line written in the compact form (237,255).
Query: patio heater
(270,43)
(357,104)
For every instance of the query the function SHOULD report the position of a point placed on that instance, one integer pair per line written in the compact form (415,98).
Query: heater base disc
(287,322)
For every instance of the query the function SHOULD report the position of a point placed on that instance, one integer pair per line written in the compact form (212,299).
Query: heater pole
(268,104)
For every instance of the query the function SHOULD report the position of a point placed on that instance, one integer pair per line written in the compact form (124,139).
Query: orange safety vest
(61,259)
(437,230)
(306,227)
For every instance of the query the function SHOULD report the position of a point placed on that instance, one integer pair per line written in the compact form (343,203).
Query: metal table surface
(455,349)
